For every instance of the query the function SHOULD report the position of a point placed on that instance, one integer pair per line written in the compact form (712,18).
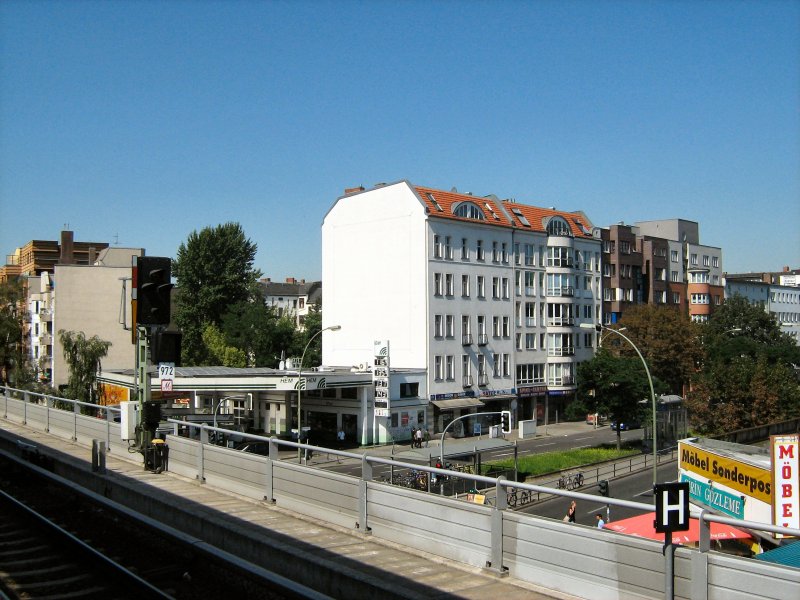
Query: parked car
(625,426)
(260,448)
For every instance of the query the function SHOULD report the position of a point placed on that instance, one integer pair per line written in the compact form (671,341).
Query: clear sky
(138,122)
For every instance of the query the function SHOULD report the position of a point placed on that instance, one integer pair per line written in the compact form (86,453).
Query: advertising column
(380,379)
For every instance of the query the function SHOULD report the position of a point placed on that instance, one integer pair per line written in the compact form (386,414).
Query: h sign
(672,506)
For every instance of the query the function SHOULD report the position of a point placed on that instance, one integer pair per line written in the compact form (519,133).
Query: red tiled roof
(447,200)
(495,211)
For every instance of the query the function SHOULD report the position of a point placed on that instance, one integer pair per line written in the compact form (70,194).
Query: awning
(788,554)
(456,403)
(643,526)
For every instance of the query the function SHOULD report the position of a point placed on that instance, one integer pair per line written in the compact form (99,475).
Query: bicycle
(570,481)
(514,496)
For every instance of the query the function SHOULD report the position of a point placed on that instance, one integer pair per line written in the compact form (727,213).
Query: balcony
(561,381)
(561,351)
(563,291)
(483,339)
(466,340)
(560,321)
(467,381)
(483,379)
(45,315)
(45,339)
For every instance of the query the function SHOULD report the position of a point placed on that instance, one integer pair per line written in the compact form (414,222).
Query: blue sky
(138,122)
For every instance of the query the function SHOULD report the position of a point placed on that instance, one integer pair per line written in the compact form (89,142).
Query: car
(625,425)
(260,448)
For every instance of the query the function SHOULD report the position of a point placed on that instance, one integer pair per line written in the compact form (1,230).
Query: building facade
(292,298)
(482,295)
(781,301)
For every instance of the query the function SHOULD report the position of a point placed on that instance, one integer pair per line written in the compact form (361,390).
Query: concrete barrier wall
(574,559)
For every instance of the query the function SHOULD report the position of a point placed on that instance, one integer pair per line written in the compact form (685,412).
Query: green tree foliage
(748,376)
(13,362)
(616,386)
(214,271)
(219,352)
(312,324)
(667,339)
(83,356)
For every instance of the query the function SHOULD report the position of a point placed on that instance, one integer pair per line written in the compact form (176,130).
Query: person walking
(570,516)
(600,522)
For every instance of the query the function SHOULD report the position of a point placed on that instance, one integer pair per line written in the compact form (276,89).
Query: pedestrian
(570,516)
(418,438)
(600,522)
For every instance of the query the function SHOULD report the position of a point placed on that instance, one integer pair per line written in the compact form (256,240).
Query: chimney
(67,256)
(353,190)
(92,255)
(786,269)
(290,280)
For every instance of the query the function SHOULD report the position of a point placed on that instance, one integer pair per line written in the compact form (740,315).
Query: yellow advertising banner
(748,479)
(113,394)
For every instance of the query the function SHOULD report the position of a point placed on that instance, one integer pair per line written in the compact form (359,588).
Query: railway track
(58,542)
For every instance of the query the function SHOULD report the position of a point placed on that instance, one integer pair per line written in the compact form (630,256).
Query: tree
(312,326)
(748,376)
(83,360)
(220,353)
(667,339)
(616,386)
(13,362)
(214,270)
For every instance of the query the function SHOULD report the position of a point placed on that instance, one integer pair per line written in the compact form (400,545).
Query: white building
(291,298)
(93,299)
(781,301)
(482,295)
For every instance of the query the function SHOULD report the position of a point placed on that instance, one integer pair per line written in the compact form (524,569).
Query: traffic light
(505,421)
(153,286)
(603,487)
(166,347)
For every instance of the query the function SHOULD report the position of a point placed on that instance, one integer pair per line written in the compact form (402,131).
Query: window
(449,284)
(465,370)
(437,368)
(506,365)
(699,299)
(437,326)
(506,327)
(468,210)
(437,247)
(504,253)
(557,226)
(506,288)
(530,314)
(530,255)
(673,255)
(448,249)
(449,323)
(559,257)
(481,326)
(518,344)
(530,374)
(518,282)
(495,288)
(674,276)
(495,253)
(449,366)
(480,250)
(496,326)
(481,365)
(481,287)
(624,247)
(715,261)
(409,390)
(496,365)
(530,283)
(693,259)
(530,341)
(706,260)
(465,326)
(676,297)
(465,286)
(464,249)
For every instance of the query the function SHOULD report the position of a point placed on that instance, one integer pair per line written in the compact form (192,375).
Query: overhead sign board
(786,479)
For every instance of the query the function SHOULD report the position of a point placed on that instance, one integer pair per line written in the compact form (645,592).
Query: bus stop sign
(672,507)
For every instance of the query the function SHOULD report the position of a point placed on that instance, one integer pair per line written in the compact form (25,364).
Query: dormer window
(469,210)
(557,226)
(434,201)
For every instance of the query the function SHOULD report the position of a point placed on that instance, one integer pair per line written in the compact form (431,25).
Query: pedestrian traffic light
(603,487)
(153,286)
(505,421)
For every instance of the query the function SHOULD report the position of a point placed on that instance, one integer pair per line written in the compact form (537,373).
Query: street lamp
(221,400)
(299,385)
(598,327)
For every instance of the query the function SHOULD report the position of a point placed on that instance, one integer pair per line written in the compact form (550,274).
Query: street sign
(166,385)
(672,507)
(166,370)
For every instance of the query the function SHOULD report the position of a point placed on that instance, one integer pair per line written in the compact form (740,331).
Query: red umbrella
(643,526)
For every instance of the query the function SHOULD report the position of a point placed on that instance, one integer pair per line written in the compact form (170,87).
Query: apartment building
(660,262)
(293,297)
(781,301)
(38,256)
(93,299)
(484,296)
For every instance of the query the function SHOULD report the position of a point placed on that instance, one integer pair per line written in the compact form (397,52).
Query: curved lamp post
(598,327)
(221,400)
(300,386)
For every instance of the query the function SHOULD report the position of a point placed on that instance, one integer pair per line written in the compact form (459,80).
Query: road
(637,487)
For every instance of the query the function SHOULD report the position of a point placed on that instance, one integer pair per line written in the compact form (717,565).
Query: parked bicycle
(570,481)
(515,496)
